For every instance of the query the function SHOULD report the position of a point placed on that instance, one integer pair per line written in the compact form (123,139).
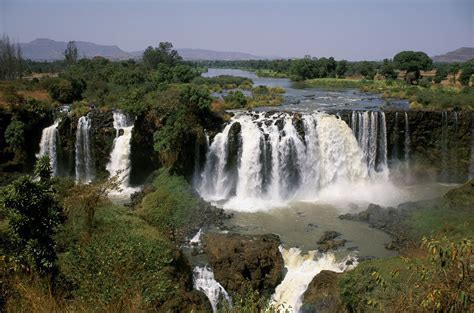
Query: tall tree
(163,54)
(10,59)
(412,62)
(70,54)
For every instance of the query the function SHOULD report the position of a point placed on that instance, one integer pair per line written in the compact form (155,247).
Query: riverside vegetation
(66,247)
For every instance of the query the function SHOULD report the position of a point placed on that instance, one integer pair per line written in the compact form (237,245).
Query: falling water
(407,140)
(283,157)
(395,139)
(204,281)
(84,168)
(120,157)
(301,270)
(48,146)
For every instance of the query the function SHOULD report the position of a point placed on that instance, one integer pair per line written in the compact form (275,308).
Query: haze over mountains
(43,49)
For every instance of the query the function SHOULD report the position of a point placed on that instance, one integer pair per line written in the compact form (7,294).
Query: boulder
(322,294)
(242,263)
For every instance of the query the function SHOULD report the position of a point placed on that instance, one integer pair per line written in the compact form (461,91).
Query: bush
(172,204)
(236,99)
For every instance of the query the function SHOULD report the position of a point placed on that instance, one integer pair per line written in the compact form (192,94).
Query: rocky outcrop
(102,134)
(322,294)
(243,263)
(329,241)
(67,150)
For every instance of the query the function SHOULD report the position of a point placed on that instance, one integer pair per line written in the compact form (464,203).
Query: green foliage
(125,260)
(172,204)
(163,54)
(467,72)
(43,169)
(223,80)
(387,69)
(235,99)
(34,215)
(66,90)
(11,62)
(70,54)
(15,135)
(341,68)
(413,62)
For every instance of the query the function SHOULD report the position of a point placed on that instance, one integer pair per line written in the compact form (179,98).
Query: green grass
(124,259)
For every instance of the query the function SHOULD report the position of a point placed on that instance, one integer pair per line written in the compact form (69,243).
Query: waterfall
(120,156)
(371,133)
(407,140)
(48,146)
(84,166)
(301,269)
(395,156)
(283,157)
(444,146)
(203,280)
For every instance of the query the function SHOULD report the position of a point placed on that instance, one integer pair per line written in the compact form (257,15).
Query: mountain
(459,55)
(43,49)
(47,50)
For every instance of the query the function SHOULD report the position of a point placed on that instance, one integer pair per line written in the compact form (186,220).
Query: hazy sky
(354,30)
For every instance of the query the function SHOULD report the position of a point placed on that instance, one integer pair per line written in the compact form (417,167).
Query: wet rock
(328,241)
(328,235)
(242,262)
(322,294)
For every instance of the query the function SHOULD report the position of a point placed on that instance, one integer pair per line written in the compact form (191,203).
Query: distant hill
(48,50)
(43,49)
(459,55)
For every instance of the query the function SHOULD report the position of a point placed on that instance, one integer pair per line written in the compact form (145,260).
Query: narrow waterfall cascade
(196,238)
(444,146)
(48,145)
(371,132)
(120,157)
(396,130)
(203,280)
(84,166)
(301,269)
(279,157)
(407,140)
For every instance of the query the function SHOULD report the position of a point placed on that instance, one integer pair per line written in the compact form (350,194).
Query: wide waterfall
(84,166)
(277,157)
(48,146)
(204,281)
(301,270)
(120,157)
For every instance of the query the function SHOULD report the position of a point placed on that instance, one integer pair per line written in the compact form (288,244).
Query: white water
(301,269)
(203,280)
(120,156)
(84,166)
(48,146)
(276,164)
(196,238)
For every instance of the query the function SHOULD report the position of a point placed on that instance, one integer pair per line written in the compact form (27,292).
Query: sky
(344,29)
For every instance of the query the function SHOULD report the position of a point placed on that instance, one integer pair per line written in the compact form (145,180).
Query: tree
(236,99)
(413,62)
(366,69)
(70,54)
(387,69)
(34,215)
(341,68)
(66,90)
(163,54)
(11,62)
(15,138)
(467,70)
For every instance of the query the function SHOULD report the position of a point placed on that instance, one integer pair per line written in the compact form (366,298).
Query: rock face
(102,134)
(438,146)
(328,241)
(322,294)
(241,263)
